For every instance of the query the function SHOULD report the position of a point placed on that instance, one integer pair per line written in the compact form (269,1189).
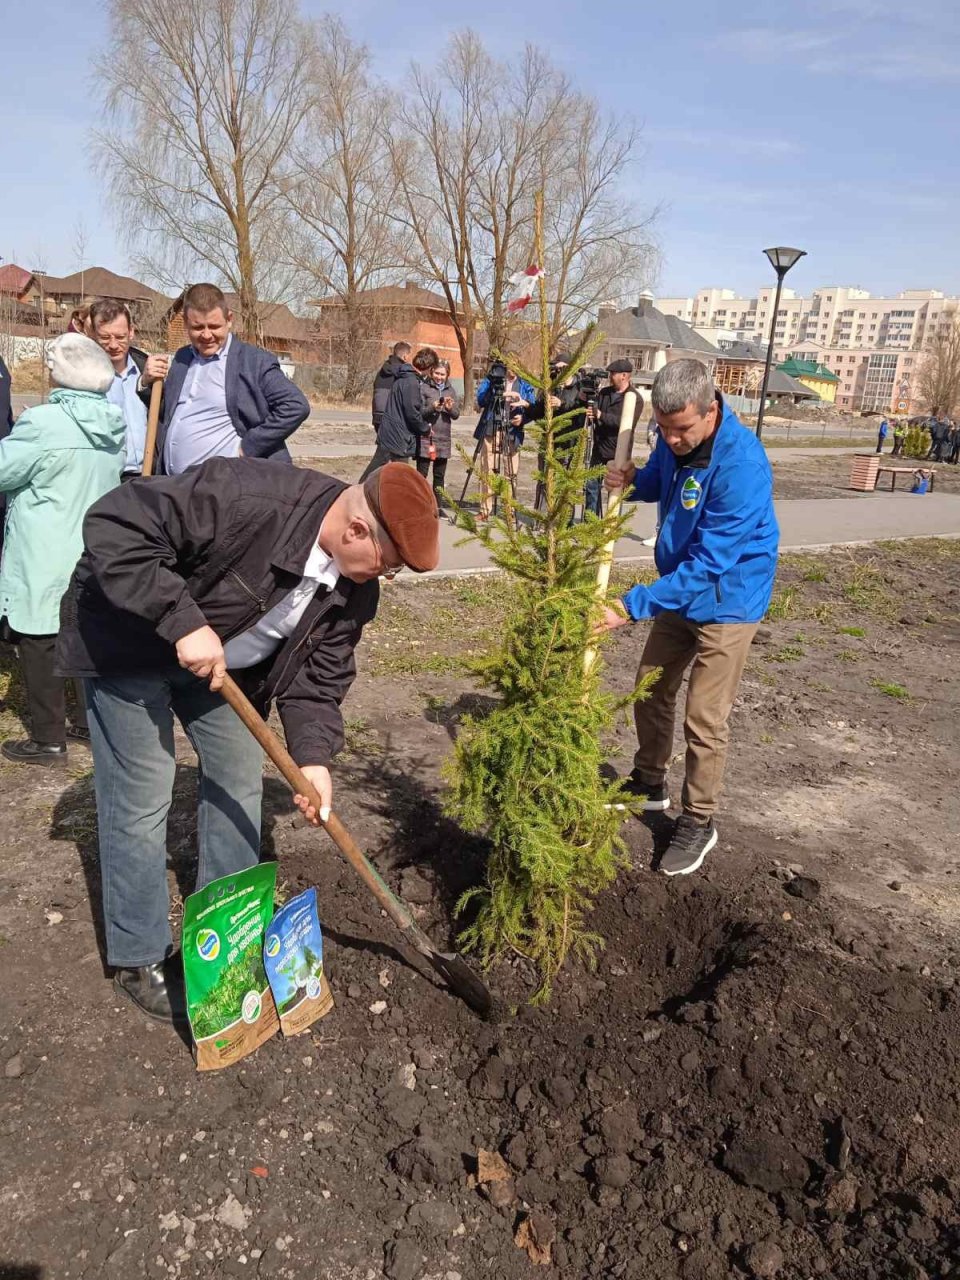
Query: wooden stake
(622,457)
(153,418)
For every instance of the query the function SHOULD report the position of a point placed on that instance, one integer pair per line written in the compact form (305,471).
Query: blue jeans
(131,735)
(592,492)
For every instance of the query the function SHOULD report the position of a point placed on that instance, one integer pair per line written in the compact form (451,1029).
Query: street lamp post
(781,259)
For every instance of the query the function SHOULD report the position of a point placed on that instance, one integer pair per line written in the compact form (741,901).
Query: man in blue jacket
(716,553)
(222,398)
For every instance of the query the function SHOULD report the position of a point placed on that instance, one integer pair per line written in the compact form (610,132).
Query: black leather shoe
(78,733)
(30,752)
(156,990)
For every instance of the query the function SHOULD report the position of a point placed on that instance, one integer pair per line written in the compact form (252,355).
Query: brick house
(398,313)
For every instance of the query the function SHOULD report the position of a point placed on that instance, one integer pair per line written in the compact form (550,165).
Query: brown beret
(404,504)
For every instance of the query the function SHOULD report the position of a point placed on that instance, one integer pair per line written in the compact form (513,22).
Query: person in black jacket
(568,399)
(6,426)
(403,422)
(606,426)
(268,571)
(383,382)
(6,401)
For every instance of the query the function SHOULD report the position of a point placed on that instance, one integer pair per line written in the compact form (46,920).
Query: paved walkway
(360,446)
(805,524)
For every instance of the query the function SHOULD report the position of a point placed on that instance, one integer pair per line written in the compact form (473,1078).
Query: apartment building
(833,316)
(870,380)
(872,344)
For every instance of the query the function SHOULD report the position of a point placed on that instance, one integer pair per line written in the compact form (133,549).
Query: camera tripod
(587,427)
(500,417)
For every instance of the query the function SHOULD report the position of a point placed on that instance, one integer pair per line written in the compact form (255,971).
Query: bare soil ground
(799,476)
(760,1078)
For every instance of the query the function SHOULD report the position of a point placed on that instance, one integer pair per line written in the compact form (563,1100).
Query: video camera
(497,377)
(588,381)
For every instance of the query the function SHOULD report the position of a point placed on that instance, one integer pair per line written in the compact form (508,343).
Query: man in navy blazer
(222,398)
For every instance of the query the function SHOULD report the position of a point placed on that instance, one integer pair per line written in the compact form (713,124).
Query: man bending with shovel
(268,571)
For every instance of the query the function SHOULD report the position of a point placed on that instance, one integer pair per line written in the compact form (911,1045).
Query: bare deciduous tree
(80,241)
(344,240)
(439,138)
(938,375)
(599,245)
(204,99)
(475,137)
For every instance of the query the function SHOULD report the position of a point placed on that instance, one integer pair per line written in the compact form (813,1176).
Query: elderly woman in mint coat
(59,458)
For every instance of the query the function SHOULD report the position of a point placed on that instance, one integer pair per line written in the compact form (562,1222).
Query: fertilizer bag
(229,1004)
(293,958)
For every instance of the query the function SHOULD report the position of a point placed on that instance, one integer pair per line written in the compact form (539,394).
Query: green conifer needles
(528,774)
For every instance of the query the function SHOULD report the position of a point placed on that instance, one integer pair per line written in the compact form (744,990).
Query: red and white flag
(524,283)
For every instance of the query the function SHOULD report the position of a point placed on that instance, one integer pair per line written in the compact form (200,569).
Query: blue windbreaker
(717,542)
(485,404)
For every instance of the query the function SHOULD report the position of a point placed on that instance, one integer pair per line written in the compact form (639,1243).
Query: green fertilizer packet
(293,958)
(229,1002)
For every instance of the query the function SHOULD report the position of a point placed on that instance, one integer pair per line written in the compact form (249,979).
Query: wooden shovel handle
(622,457)
(301,785)
(153,419)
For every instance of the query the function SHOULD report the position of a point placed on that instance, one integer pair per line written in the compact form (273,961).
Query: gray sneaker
(691,843)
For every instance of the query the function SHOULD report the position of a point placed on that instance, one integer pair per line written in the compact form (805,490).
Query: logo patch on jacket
(690,493)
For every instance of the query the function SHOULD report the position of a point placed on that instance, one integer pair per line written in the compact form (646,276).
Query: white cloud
(744,144)
(878,52)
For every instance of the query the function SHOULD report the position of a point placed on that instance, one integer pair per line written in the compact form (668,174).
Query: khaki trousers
(718,651)
(509,467)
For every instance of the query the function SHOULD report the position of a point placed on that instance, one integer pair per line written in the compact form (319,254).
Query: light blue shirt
(123,393)
(200,427)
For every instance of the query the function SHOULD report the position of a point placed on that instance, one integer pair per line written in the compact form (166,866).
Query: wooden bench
(893,472)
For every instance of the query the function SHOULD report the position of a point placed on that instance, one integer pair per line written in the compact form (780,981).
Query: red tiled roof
(13,279)
(393,295)
(99,282)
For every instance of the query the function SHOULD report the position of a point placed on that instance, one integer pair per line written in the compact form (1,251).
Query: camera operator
(503,384)
(573,397)
(441,407)
(606,426)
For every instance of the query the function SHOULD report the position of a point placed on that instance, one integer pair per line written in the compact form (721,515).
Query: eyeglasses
(387,571)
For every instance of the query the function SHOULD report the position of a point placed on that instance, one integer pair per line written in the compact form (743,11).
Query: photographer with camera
(403,423)
(605,419)
(504,401)
(574,396)
(441,407)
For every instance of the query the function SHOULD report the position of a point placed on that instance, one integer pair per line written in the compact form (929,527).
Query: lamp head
(782,259)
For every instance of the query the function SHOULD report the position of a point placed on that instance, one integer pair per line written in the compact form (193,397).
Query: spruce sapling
(528,775)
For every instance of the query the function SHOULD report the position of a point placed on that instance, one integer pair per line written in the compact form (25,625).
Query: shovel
(454,970)
(153,418)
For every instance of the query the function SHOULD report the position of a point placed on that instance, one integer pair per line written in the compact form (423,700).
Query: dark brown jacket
(219,545)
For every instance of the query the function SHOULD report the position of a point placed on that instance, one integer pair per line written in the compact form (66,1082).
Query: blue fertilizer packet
(293,959)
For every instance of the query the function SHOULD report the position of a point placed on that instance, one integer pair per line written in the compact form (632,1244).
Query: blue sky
(832,125)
